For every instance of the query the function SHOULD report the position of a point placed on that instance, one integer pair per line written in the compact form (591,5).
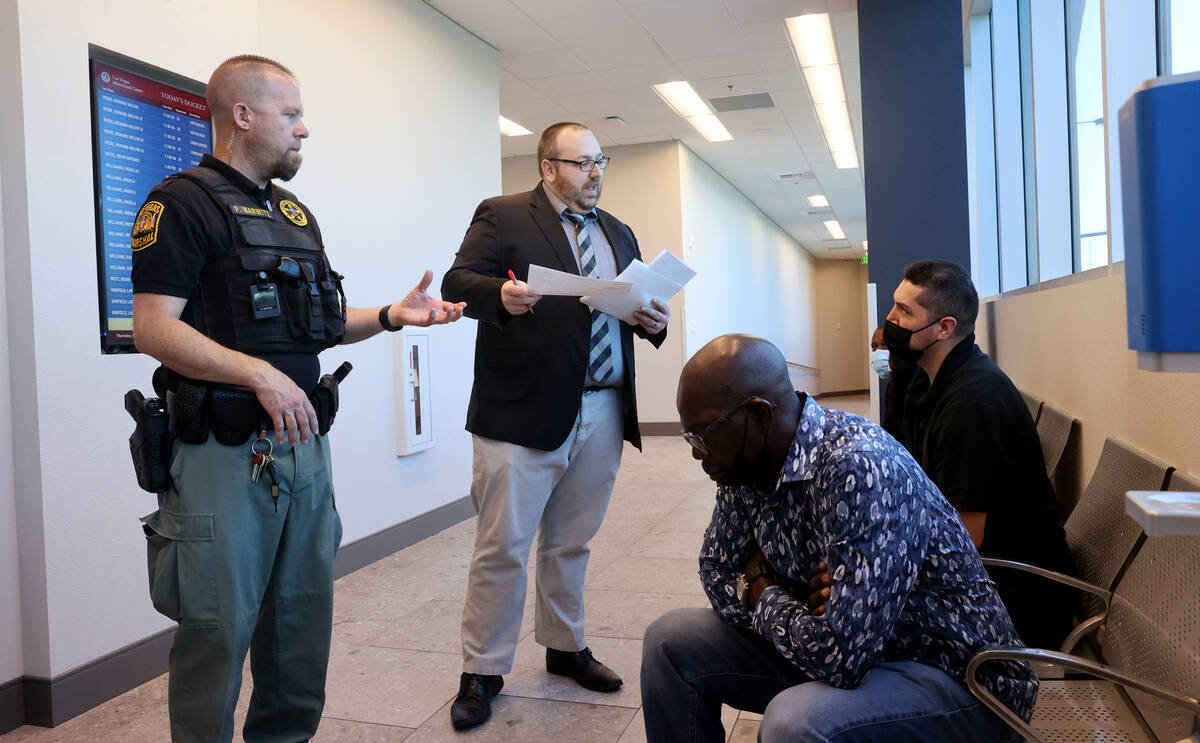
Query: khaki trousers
(561,496)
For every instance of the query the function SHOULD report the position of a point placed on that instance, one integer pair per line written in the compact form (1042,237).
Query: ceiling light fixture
(512,129)
(816,53)
(818,200)
(835,229)
(683,100)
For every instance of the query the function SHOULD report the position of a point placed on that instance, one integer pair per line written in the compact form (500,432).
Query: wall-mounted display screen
(146,124)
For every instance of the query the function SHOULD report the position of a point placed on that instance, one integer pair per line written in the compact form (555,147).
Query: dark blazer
(529,368)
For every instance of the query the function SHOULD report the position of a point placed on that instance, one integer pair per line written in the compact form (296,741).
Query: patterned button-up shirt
(907,581)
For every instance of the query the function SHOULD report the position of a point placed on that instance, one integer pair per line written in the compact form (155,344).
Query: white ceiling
(585,60)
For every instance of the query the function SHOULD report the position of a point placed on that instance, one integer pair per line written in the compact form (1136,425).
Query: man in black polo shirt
(966,424)
(234,294)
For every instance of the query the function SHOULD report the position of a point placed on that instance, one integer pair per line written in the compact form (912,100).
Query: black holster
(151,443)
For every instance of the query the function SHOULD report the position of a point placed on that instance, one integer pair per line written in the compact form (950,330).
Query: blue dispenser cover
(1160,195)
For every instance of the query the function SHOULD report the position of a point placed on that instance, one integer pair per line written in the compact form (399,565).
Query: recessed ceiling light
(845,159)
(835,229)
(812,42)
(684,100)
(512,129)
(815,37)
(818,200)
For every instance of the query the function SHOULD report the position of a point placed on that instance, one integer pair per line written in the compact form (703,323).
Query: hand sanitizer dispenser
(1160,197)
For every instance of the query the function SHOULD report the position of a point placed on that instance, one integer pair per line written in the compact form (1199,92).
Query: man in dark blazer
(552,404)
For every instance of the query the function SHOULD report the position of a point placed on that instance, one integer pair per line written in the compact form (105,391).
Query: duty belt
(233,413)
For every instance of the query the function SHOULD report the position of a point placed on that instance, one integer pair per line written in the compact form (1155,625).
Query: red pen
(513,276)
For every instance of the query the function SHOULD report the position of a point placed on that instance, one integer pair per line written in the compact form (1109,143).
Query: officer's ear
(242,116)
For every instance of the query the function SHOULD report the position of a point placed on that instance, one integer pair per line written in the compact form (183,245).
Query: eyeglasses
(585,165)
(696,438)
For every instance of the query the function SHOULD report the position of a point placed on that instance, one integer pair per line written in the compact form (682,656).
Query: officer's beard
(288,166)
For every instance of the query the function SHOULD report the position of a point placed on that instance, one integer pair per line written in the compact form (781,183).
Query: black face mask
(898,338)
(747,470)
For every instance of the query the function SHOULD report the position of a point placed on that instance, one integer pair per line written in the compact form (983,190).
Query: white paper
(548,282)
(660,280)
(674,269)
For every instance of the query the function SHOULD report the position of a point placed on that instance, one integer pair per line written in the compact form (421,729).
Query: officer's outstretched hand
(291,412)
(419,308)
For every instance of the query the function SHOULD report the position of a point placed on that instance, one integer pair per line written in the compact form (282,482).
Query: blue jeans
(692,662)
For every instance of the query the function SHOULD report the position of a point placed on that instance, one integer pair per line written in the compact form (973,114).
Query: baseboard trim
(363,552)
(12,705)
(49,702)
(669,428)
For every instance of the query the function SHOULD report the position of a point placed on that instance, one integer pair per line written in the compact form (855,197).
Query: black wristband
(383,320)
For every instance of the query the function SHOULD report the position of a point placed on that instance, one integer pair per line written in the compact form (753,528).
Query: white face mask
(879,362)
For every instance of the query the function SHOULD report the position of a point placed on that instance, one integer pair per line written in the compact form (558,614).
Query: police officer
(234,294)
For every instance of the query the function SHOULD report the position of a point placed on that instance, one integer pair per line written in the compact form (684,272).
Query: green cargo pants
(239,574)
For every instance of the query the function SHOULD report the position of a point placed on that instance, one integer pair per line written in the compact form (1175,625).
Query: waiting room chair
(1100,535)
(1151,648)
(1055,429)
(1033,403)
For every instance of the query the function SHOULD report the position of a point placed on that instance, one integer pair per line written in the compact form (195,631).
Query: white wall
(753,278)
(402,107)
(20,521)
(841,290)
(11,653)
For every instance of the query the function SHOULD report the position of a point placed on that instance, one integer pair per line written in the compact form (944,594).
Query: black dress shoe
(581,666)
(473,705)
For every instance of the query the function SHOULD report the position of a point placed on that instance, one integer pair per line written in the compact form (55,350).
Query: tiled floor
(395,662)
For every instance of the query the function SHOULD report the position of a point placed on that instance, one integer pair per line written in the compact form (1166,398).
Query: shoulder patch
(145,225)
(292,211)
(249,211)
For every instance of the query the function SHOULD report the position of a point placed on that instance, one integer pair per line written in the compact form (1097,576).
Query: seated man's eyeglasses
(696,438)
(585,165)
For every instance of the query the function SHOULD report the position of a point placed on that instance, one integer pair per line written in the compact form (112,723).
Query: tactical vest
(274,290)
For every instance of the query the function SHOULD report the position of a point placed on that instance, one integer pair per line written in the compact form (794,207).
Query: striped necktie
(600,363)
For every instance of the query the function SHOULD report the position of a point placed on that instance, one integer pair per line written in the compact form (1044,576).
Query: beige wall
(1067,345)
(842,332)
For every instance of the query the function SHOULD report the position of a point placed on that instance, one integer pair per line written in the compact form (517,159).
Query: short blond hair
(240,79)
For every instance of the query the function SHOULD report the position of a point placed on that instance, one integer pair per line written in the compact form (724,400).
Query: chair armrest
(1072,662)
(1055,576)
(1084,627)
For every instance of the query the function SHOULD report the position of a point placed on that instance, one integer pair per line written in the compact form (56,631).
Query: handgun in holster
(151,442)
(325,397)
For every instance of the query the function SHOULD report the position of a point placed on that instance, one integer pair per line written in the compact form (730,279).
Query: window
(1085,104)
(1179,25)
(1045,191)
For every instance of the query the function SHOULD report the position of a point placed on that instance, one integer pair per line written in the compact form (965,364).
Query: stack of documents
(632,290)
(660,280)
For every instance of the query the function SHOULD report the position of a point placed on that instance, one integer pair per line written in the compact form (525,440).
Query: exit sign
(864,260)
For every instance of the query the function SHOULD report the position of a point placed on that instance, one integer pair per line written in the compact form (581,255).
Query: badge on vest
(145,226)
(292,211)
(249,211)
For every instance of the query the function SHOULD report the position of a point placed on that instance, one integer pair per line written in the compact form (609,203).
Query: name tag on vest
(249,211)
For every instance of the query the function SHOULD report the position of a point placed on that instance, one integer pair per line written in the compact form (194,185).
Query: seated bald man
(910,603)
